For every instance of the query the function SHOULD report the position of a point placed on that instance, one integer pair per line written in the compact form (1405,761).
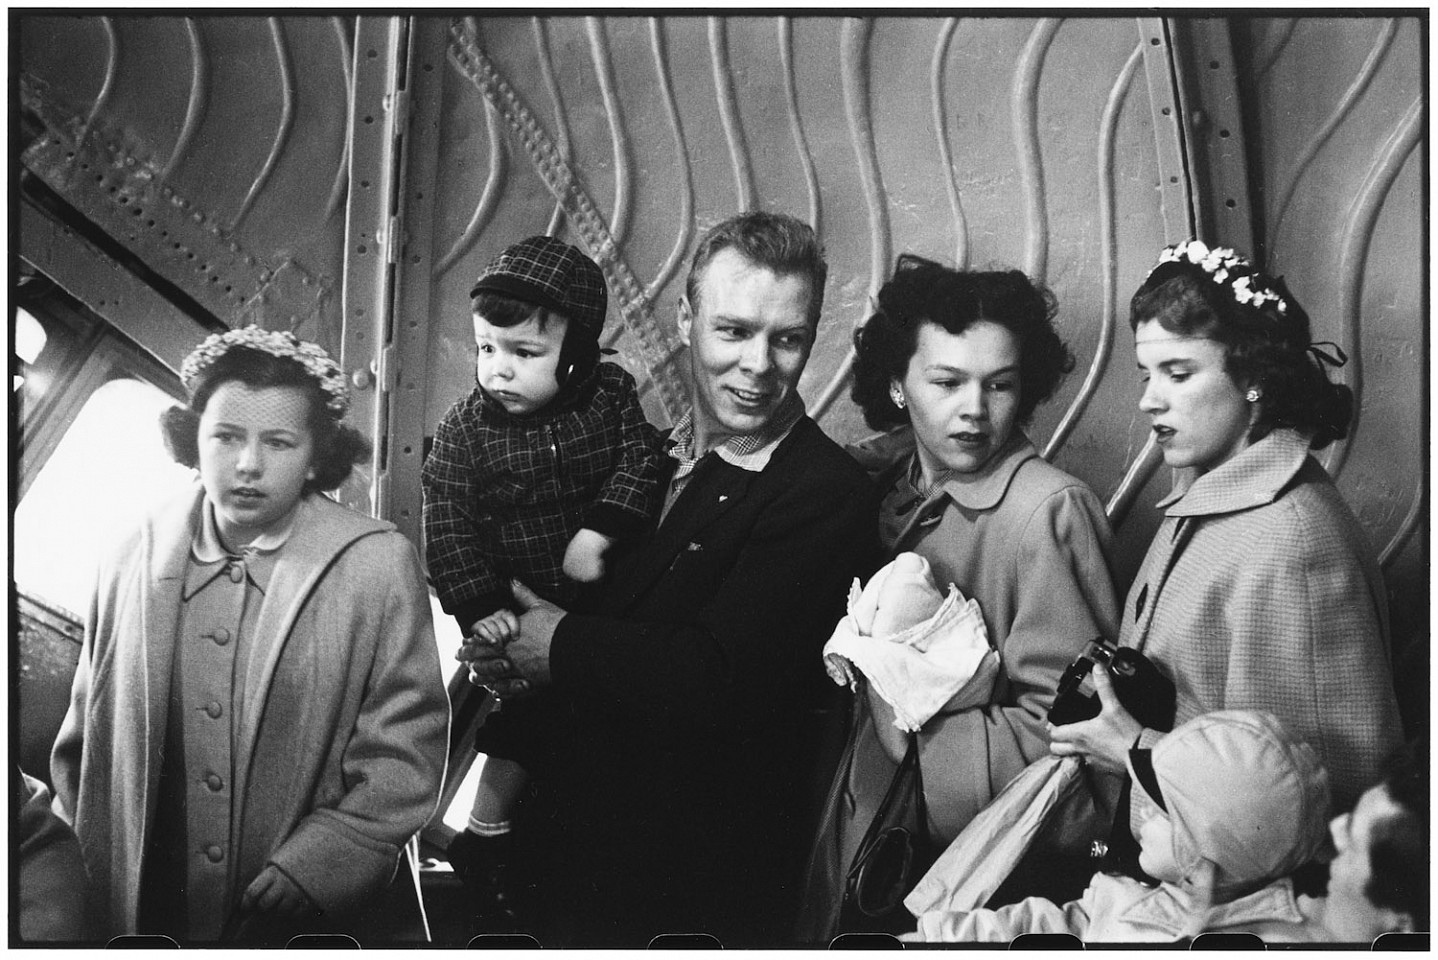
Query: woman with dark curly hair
(1259,590)
(258,721)
(959,360)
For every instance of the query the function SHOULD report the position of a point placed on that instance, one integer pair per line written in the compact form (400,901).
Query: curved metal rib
(941,131)
(1133,482)
(488,198)
(1278,46)
(561,124)
(107,86)
(854,69)
(618,139)
(1344,107)
(632,305)
(337,190)
(1353,257)
(681,161)
(1025,102)
(1406,528)
(796,122)
(729,112)
(1108,253)
(287,119)
(199,95)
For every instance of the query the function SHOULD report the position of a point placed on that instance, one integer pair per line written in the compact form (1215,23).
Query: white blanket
(921,650)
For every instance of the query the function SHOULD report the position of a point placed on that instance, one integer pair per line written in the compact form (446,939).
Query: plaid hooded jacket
(504,493)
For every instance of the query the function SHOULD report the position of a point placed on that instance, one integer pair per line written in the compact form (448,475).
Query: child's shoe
(485,865)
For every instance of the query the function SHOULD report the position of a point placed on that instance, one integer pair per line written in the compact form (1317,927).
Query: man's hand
(274,893)
(516,667)
(1103,741)
(584,557)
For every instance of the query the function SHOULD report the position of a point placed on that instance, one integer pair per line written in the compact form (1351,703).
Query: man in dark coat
(679,801)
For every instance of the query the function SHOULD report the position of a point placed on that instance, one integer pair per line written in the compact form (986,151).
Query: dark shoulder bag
(893,856)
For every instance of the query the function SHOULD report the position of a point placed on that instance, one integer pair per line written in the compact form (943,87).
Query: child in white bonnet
(1224,808)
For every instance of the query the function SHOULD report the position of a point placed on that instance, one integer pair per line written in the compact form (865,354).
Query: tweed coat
(692,692)
(341,752)
(1260,592)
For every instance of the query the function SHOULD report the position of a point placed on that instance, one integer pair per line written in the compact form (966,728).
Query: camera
(1141,687)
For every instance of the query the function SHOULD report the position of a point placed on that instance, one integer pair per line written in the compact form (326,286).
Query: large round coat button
(221,636)
(214,709)
(237,573)
(215,853)
(214,781)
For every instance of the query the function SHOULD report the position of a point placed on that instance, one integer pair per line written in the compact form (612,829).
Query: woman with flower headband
(258,722)
(1259,590)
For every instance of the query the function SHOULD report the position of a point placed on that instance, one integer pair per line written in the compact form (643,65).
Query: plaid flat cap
(549,273)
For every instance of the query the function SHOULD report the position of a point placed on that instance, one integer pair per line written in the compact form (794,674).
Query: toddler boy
(532,477)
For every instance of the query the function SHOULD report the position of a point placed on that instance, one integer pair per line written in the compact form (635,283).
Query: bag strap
(921,804)
(909,772)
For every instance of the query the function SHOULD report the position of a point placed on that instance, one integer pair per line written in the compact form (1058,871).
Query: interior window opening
(108,470)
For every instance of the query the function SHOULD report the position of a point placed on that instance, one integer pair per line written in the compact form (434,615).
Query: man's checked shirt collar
(749,451)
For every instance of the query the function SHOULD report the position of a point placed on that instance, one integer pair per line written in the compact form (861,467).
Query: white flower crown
(1249,287)
(278,343)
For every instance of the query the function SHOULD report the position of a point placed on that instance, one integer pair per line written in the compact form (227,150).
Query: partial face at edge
(1349,914)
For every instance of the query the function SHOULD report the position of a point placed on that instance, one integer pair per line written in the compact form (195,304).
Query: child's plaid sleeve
(467,584)
(631,493)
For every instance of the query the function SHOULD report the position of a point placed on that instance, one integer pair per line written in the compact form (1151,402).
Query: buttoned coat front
(1259,592)
(341,752)
(1030,544)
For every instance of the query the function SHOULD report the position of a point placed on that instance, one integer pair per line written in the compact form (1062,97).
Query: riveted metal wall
(249,159)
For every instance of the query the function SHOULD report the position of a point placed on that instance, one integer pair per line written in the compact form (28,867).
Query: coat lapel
(321,532)
(165,552)
(712,492)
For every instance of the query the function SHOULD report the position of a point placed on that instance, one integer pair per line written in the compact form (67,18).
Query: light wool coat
(1030,544)
(342,750)
(1259,592)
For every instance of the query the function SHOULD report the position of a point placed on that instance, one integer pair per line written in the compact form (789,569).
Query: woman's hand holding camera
(1103,741)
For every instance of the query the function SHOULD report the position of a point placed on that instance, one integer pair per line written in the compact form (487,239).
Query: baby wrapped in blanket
(921,649)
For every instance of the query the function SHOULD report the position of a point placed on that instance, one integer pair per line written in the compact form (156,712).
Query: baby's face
(517,365)
(1155,840)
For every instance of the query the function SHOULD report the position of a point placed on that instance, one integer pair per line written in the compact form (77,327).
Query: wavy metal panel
(1036,143)
(1340,104)
(218,149)
(213,147)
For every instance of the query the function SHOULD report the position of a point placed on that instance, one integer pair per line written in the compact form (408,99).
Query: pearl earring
(897,395)
(1252,395)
